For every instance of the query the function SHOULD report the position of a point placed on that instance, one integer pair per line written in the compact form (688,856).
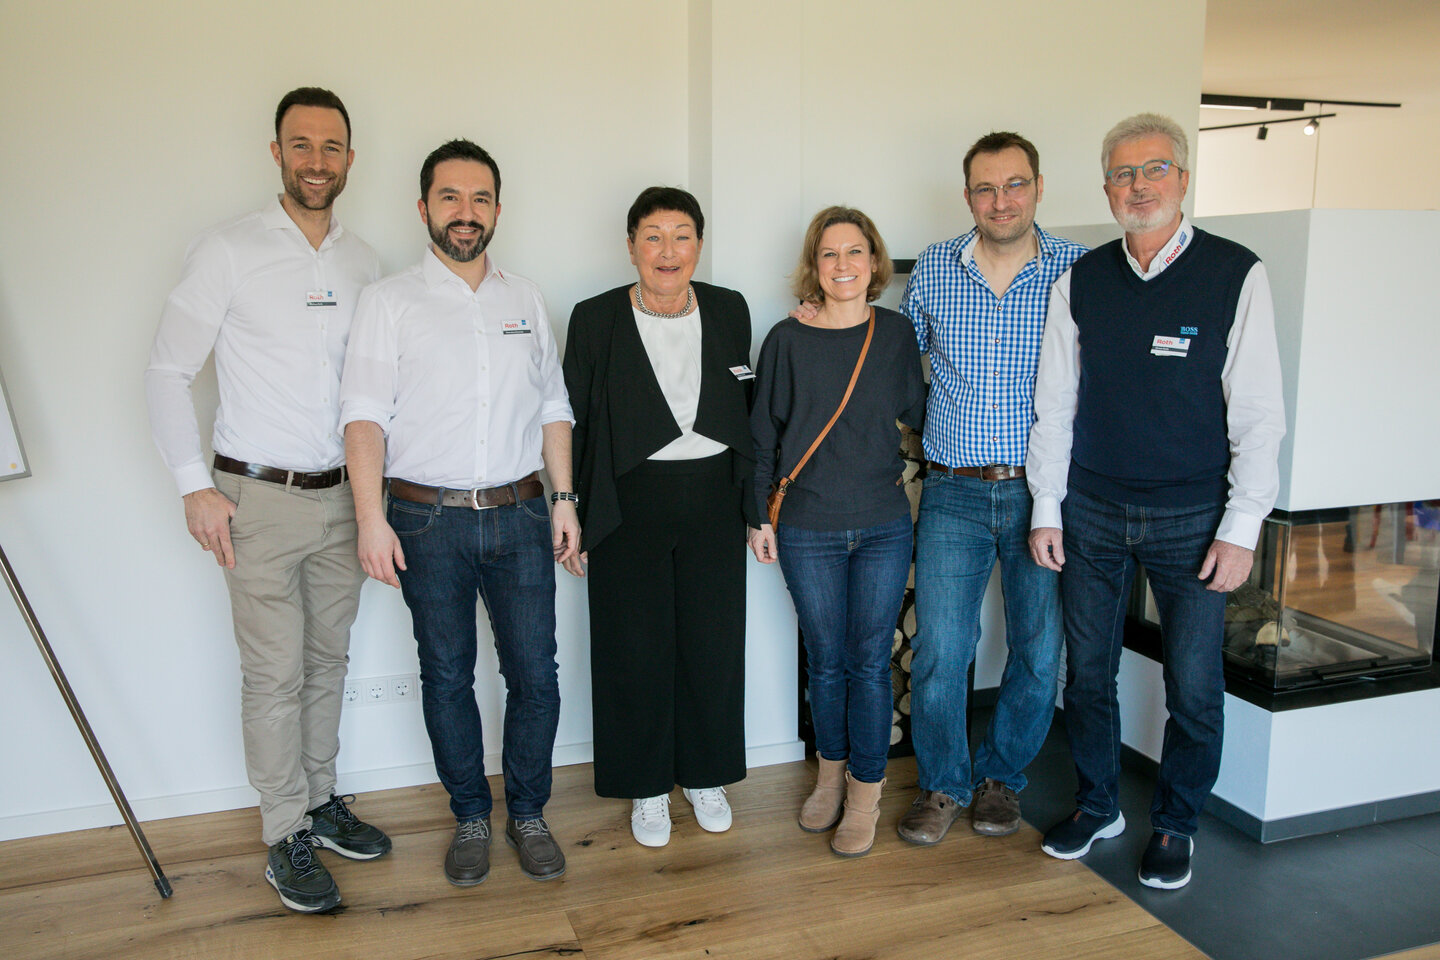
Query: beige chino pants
(294,593)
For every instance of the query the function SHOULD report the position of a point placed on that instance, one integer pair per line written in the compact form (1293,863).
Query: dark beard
(440,236)
(297,193)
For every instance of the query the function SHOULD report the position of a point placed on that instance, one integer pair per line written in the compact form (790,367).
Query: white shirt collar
(275,218)
(436,272)
(1168,253)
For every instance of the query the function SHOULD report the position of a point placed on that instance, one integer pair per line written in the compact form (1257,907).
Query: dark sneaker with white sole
(1070,839)
(1166,864)
(299,877)
(340,830)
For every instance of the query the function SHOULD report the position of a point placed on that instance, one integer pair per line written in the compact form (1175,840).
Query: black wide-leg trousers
(667,632)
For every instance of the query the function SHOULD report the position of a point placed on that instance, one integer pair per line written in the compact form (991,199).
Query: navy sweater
(1150,424)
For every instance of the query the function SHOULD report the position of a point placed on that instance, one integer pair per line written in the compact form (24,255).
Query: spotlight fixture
(1311,127)
(1262,133)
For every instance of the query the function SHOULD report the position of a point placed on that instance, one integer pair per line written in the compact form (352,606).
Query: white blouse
(673,346)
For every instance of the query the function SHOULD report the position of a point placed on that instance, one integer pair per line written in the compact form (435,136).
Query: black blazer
(621,416)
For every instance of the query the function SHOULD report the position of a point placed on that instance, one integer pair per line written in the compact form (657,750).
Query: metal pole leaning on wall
(161,883)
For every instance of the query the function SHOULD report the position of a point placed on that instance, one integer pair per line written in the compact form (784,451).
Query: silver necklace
(640,302)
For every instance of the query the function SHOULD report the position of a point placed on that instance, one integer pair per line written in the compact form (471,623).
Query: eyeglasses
(985,193)
(1153,170)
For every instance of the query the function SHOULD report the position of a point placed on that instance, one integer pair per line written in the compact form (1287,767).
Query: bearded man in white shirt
(272,294)
(1158,420)
(453,392)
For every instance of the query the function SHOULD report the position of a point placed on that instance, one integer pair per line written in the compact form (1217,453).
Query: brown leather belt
(319,480)
(526,488)
(991,471)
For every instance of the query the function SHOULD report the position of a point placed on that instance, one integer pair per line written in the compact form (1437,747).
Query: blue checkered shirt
(983,351)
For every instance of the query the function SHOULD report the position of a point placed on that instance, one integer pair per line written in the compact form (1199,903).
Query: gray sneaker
(467,862)
(340,830)
(299,877)
(540,856)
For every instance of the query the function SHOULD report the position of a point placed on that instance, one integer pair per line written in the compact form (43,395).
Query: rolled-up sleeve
(555,399)
(367,388)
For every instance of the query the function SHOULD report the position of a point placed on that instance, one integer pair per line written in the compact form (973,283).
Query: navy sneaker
(298,876)
(336,828)
(1166,864)
(1070,839)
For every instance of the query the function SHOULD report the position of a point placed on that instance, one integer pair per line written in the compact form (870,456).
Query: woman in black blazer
(659,378)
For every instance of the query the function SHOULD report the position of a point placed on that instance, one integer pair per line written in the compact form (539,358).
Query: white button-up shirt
(277,312)
(1249,380)
(461,381)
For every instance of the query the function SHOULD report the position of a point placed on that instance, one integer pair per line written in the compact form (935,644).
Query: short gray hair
(1145,125)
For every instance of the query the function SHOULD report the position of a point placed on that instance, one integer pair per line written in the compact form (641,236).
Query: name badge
(742,372)
(320,298)
(1170,346)
(514,327)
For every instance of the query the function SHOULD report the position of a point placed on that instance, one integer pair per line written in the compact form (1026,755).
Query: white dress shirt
(276,312)
(673,346)
(461,381)
(1249,380)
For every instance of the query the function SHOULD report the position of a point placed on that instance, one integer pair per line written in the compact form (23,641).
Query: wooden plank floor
(765,889)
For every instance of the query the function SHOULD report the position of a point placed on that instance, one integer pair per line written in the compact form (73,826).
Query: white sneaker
(650,820)
(712,810)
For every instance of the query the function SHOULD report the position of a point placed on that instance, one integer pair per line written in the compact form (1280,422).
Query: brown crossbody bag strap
(777,491)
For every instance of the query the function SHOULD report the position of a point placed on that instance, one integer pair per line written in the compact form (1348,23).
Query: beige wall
(129,128)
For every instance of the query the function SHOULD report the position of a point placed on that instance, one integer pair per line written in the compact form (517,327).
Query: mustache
(472,224)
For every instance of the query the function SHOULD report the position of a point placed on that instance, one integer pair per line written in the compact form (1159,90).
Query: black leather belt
(483,498)
(991,471)
(318,480)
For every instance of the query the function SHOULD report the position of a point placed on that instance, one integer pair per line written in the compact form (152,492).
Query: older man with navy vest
(1158,423)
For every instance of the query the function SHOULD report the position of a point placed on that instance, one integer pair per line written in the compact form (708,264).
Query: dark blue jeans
(504,555)
(1103,542)
(966,525)
(848,586)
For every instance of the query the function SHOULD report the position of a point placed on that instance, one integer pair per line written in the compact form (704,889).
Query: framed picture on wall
(12,454)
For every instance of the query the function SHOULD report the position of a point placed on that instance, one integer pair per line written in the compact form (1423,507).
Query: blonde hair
(805,283)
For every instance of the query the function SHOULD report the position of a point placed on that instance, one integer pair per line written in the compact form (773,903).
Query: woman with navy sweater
(843,537)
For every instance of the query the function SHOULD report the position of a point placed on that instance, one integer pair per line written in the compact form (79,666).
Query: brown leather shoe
(540,856)
(467,862)
(822,808)
(929,818)
(996,810)
(856,833)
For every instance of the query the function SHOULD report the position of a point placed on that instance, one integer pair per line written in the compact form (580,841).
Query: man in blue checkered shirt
(978,303)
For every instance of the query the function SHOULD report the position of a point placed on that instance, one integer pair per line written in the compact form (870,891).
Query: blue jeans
(966,524)
(504,555)
(1103,542)
(848,586)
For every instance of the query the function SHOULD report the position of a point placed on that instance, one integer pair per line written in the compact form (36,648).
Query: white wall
(128,129)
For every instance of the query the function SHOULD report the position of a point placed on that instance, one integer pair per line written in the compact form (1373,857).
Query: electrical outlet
(352,691)
(405,688)
(376,691)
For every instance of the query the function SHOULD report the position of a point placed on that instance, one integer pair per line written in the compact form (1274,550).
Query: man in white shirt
(1158,425)
(452,401)
(272,294)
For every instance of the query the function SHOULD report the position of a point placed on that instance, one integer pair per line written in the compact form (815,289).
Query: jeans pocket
(535,508)
(410,519)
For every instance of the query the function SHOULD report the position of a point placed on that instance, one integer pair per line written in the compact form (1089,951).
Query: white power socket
(361,691)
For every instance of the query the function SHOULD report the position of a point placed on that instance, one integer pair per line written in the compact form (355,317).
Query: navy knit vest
(1150,429)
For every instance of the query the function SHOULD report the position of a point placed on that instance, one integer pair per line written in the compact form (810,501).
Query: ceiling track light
(1311,122)
(1262,133)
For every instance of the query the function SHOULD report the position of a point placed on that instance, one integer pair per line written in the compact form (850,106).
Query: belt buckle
(475,501)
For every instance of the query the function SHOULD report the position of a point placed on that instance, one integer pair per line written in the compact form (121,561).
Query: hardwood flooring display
(766,889)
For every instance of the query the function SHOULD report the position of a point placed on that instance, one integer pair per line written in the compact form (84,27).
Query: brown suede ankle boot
(822,808)
(856,833)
